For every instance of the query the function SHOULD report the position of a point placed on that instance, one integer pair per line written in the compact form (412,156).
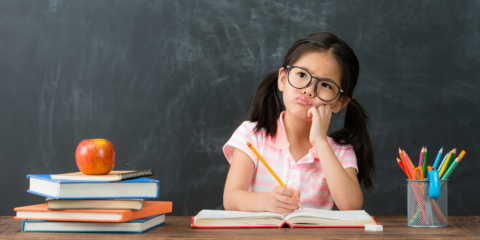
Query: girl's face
(297,101)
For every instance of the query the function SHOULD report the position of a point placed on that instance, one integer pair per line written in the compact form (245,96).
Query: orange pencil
(405,165)
(409,162)
(269,168)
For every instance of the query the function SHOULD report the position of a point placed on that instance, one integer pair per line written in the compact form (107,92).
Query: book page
(221,214)
(330,214)
(113,175)
(220,218)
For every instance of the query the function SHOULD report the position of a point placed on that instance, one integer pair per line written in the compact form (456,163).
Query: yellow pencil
(444,167)
(269,168)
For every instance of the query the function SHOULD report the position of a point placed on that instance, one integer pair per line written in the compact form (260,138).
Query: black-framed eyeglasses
(325,89)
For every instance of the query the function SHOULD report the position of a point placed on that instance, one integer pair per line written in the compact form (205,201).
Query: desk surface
(179,227)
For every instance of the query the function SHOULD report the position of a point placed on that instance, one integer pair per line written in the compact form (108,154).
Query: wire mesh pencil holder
(424,211)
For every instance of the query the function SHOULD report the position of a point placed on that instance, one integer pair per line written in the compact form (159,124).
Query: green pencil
(450,169)
(425,163)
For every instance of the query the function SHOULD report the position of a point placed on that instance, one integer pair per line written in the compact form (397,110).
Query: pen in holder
(427,201)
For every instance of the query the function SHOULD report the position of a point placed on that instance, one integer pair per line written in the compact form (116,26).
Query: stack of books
(94,203)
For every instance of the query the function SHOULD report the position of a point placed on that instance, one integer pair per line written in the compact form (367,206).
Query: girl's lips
(303,100)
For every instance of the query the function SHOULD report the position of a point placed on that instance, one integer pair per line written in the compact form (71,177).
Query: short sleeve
(244,133)
(347,157)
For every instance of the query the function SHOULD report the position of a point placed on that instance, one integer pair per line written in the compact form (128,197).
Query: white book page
(329,214)
(235,214)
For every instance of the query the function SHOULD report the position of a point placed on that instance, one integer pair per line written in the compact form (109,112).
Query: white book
(307,217)
(58,204)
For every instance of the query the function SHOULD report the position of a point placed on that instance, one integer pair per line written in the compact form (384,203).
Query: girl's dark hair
(266,106)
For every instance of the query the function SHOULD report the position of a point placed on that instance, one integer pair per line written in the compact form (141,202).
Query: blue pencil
(443,161)
(438,158)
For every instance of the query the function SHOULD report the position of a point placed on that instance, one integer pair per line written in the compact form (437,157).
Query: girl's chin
(300,112)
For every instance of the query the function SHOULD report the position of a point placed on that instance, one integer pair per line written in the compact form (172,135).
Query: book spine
(136,174)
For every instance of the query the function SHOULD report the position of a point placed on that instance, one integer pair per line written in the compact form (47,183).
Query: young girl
(317,78)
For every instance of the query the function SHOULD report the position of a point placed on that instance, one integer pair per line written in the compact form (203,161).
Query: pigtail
(355,133)
(265,106)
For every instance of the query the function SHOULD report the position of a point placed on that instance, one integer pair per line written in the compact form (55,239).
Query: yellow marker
(269,168)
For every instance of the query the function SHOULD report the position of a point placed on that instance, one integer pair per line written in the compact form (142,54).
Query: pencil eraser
(373,227)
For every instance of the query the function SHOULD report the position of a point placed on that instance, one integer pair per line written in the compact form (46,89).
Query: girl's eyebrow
(310,71)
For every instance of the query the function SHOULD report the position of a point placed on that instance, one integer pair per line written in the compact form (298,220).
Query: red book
(40,212)
(305,218)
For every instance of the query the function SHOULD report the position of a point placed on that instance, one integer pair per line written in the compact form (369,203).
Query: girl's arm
(343,183)
(237,197)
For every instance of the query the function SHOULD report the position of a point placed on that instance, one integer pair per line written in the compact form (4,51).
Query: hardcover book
(40,212)
(135,226)
(44,185)
(300,218)
(126,203)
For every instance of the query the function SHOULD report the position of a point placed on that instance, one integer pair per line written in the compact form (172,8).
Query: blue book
(44,185)
(136,226)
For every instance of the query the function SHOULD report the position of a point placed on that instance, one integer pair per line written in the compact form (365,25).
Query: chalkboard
(165,82)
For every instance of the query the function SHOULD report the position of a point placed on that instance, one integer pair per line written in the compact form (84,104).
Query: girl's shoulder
(247,130)
(247,126)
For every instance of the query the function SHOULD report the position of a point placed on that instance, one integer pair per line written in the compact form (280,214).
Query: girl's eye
(302,75)
(326,85)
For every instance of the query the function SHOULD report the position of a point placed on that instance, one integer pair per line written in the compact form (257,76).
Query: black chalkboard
(165,81)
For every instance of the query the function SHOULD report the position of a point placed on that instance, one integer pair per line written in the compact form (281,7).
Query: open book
(301,218)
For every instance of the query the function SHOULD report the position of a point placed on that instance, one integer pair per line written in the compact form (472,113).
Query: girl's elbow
(227,203)
(357,205)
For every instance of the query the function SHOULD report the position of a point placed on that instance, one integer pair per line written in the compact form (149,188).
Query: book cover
(44,185)
(41,212)
(135,226)
(285,223)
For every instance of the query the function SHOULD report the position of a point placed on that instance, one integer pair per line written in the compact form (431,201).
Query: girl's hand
(281,201)
(320,121)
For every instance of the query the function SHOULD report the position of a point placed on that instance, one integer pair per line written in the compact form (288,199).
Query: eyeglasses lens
(300,78)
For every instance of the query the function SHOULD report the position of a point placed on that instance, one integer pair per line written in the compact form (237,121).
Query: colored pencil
(269,168)
(401,165)
(407,158)
(439,155)
(454,165)
(451,160)
(443,161)
(420,161)
(425,164)
(446,164)
(450,169)
(461,155)
(405,165)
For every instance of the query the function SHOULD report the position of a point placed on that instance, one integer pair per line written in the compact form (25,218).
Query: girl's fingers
(286,206)
(283,191)
(285,195)
(312,111)
(297,193)
(282,210)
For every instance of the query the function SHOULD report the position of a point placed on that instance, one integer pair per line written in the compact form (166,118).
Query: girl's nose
(309,91)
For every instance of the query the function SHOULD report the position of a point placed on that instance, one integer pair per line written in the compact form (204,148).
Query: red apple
(95,156)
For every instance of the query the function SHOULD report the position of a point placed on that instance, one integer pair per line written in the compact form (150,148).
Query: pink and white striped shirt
(306,175)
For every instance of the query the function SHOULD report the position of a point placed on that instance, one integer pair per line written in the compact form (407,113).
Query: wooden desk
(179,227)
